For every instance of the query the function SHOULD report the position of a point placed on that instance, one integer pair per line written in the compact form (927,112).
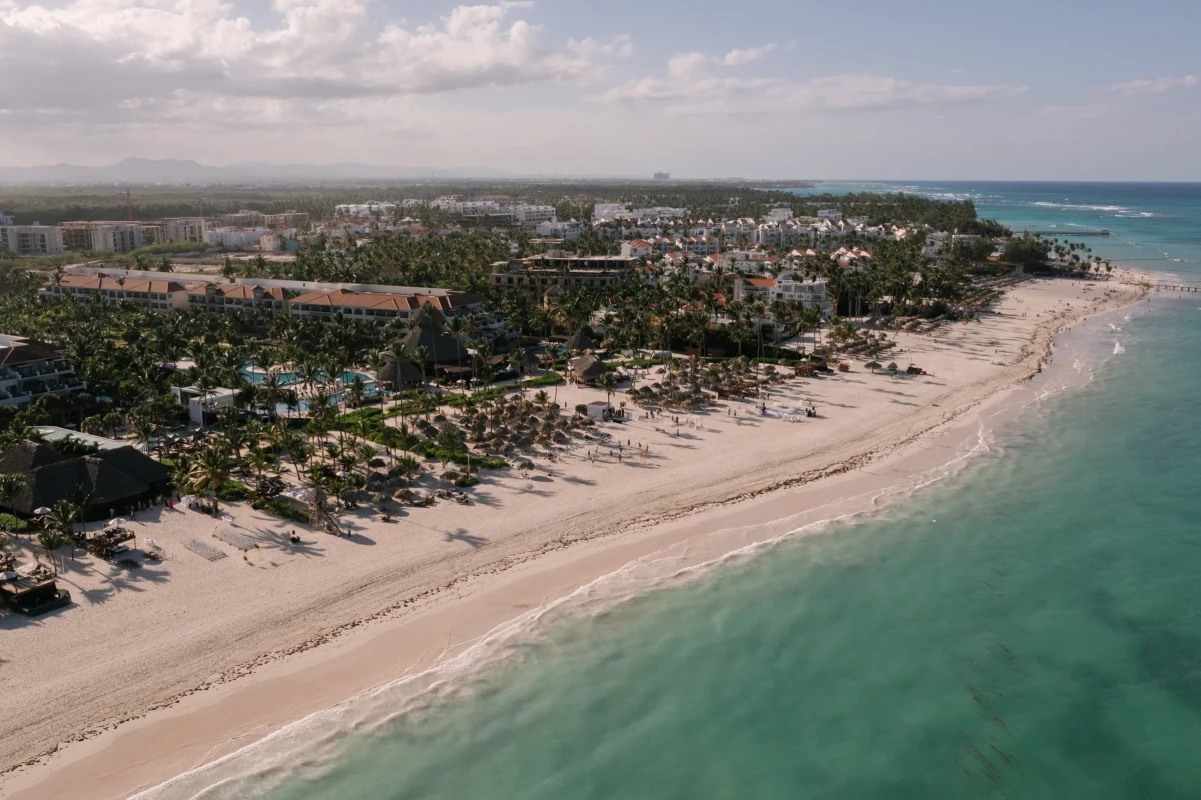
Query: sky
(1058,89)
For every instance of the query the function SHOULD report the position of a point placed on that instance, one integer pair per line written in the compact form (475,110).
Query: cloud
(692,85)
(99,61)
(1156,85)
(735,58)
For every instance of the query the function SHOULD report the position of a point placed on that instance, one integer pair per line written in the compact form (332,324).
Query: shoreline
(254,699)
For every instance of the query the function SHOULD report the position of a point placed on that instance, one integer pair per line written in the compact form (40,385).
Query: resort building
(571,229)
(152,293)
(769,290)
(30,369)
(223,297)
(532,215)
(539,274)
(380,307)
(605,211)
(31,240)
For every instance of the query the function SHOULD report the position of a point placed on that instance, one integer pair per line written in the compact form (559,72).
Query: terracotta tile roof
(344,298)
(762,283)
(105,283)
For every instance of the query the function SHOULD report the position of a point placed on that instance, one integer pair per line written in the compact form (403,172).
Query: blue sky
(939,90)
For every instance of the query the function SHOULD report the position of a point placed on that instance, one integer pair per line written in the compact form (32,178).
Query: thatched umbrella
(893,366)
(873,366)
(404,495)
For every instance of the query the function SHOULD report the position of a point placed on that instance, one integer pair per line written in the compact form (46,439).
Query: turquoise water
(1029,628)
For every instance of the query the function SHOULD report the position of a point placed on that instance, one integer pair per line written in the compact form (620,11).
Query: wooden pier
(1167,287)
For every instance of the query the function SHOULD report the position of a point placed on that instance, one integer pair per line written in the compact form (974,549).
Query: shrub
(548,379)
(273,505)
(233,492)
(9,522)
(582,410)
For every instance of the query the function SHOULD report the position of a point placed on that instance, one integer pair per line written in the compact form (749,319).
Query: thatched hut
(588,368)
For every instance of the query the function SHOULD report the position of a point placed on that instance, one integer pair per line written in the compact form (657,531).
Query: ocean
(1029,627)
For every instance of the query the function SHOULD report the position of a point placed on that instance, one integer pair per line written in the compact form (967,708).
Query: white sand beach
(158,670)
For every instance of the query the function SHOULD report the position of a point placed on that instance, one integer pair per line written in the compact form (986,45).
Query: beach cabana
(588,368)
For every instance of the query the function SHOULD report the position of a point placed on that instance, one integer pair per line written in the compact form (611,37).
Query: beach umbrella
(112,523)
(873,365)
(893,366)
(41,512)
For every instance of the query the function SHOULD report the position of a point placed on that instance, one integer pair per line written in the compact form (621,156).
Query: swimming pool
(292,379)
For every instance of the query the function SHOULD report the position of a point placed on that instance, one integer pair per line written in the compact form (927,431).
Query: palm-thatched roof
(429,331)
(25,456)
(580,341)
(111,477)
(588,368)
(400,373)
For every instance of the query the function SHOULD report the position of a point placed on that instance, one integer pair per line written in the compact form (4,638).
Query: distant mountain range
(144,170)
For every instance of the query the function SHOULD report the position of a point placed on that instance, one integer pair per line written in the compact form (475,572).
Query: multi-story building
(558,270)
(532,215)
(657,212)
(223,297)
(235,238)
(117,237)
(186,229)
(30,369)
(769,290)
(571,229)
(6,219)
(605,211)
(369,210)
(112,236)
(31,240)
(779,214)
(639,248)
(156,294)
(701,246)
(379,307)
(286,219)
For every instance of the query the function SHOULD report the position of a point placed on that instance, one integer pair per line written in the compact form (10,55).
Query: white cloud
(1156,85)
(735,58)
(102,61)
(692,86)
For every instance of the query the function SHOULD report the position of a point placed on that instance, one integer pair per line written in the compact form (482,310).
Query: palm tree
(608,382)
(11,484)
(52,539)
(210,467)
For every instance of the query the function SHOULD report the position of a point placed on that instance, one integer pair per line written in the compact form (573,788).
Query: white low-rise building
(236,238)
(571,229)
(531,214)
(607,211)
